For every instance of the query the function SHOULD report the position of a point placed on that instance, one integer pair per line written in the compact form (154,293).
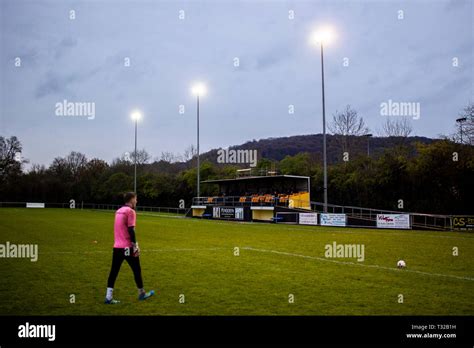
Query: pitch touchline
(144,250)
(355,264)
(372,232)
(161,215)
(170,215)
(190,249)
(385,233)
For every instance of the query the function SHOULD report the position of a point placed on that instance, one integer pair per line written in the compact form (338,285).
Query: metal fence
(357,216)
(418,220)
(100,206)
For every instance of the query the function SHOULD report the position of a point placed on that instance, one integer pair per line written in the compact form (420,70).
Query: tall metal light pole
(324,134)
(198,90)
(368,135)
(136,116)
(321,37)
(198,159)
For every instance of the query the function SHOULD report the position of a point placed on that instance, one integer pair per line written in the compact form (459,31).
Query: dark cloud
(389,58)
(54,83)
(64,45)
(455,5)
(272,57)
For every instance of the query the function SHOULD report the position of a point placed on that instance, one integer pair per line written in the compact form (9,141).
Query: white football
(401,264)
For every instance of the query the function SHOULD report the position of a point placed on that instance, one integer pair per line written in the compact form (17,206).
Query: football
(401,264)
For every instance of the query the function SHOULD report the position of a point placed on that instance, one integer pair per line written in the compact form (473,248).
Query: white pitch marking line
(161,215)
(416,233)
(387,233)
(144,250)
(355,264)
(190,249)
(373,231)
(143,213)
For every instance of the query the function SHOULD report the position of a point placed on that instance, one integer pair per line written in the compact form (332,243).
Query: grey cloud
(449,89)
(409,59)
(64,45)
(54,83)
(454,5)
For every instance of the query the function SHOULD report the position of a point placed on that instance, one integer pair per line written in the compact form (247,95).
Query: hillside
(278,148)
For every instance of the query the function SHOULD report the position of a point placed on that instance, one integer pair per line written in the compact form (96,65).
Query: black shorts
(118,256)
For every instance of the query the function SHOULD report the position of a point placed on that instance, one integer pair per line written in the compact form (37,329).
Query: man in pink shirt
(126,248)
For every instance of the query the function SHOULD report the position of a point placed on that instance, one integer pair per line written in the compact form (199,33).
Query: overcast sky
(82,60)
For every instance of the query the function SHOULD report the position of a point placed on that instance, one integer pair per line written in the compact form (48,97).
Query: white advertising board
(35,205)
(333,219)
(393,221)
(308,218)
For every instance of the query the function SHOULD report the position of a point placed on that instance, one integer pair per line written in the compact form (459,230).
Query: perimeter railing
(359,216)
(418,220)
(100,206)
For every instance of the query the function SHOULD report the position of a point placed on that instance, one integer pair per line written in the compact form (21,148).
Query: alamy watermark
(28,251)
(75,109)
(335,250)
(393,108)
(237,156)
(37,331)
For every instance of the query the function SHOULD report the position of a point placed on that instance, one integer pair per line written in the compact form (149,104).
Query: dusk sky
(82,60)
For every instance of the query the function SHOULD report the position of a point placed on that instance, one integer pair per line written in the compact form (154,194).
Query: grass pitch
(195,258)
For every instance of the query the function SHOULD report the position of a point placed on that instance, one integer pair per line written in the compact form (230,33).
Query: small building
(254,198)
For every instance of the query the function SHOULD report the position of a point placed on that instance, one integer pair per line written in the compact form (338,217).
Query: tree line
(437,178)
(426,175)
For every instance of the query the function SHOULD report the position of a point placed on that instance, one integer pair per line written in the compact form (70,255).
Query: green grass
(196,258)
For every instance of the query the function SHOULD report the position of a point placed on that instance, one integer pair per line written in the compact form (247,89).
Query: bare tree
(11,160)
(168,157)
(38,169)
(142,156)
(76,162)
(189,153)
(70,166)
(400,127)
(347,124)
